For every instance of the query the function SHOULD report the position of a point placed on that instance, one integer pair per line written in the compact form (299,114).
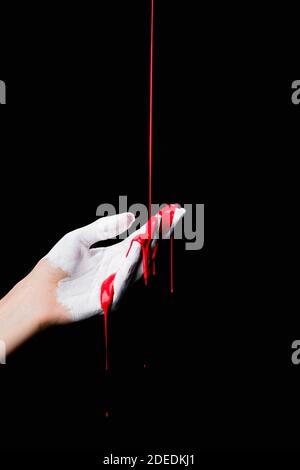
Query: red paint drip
(167,216)
(106,299)
(151,111)
(145,239)
(171,265)
(154,253)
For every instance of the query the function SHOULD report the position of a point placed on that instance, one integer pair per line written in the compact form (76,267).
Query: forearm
(20,318)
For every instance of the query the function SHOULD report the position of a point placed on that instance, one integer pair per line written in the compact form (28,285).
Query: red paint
(167,212)
(106,299)
(153,257)
(167,216)
(171,265)
(151,110)
(145,239)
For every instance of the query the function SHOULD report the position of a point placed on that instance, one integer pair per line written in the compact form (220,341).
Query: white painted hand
(66,284)
(87,268)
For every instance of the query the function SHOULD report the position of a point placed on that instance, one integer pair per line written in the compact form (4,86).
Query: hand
(65,285)
(84,269)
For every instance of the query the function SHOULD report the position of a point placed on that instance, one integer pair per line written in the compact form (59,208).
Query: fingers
(140,269)
(132,268)
(156,230)
(167,230)
(106,228)
(127,271)
(169,217)
(144,229)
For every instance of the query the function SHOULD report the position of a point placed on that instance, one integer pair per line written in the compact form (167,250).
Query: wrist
(23,302)
(29,302)
(40,287)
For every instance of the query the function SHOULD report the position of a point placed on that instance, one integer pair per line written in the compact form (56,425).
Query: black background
(75,135)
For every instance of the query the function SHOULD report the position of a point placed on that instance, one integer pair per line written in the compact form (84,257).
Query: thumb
(106,228)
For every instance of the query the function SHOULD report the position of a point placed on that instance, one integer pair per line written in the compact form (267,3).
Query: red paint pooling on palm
(106,299)
(145,239)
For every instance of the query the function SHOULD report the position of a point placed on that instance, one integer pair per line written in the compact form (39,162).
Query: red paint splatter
(106,299)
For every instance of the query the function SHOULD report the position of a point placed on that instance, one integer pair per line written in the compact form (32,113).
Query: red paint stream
(167,214)
(145,240)
(151,111)
(171,265)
